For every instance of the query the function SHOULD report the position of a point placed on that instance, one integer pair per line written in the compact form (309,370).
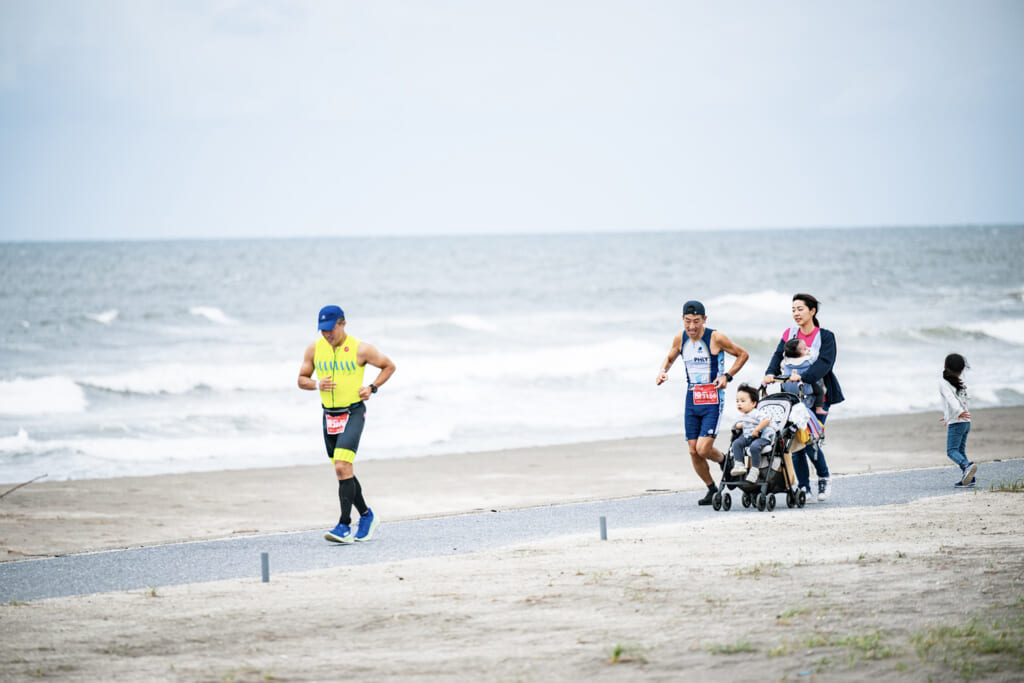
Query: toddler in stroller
(769,475)
(756,432)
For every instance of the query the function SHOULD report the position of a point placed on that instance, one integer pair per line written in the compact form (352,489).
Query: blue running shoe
(367,523)
(340,534)
(968,471)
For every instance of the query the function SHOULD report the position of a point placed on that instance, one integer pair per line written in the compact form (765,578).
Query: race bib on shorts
(705,394)
(336,423)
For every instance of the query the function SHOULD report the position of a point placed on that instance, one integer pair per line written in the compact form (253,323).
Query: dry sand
(931,589)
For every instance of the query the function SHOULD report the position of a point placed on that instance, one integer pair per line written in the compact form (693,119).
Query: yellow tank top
(340,365)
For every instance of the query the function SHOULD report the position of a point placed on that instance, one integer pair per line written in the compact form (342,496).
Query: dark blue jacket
(821,368)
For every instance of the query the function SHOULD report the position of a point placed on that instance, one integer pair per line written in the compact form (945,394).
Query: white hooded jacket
(953,403)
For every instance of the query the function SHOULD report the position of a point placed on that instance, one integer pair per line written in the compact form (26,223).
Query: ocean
(141,358)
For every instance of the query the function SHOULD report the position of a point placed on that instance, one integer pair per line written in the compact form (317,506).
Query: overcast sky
(204,118)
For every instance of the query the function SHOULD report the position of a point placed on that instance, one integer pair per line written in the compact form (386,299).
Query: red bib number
(336,423)
(705,394)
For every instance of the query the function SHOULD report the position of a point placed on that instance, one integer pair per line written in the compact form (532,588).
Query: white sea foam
(19,443)
(41,396)
(97,458)
(106,317)
(472,322)
(1005,330)
(180,378)
(212,314)
(768,300)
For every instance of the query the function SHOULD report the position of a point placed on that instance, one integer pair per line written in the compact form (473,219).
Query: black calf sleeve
(346,494)
(357,499)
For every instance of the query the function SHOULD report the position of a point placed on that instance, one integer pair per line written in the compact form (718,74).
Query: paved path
(202,561)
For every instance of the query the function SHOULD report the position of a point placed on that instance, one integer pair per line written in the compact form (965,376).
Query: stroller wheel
(726,502)
(746,499)
(716,502)
(771,502)
(790,499)
(801,498)
(762,501)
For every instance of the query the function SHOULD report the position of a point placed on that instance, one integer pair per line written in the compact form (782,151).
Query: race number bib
(705,394)
(336,423)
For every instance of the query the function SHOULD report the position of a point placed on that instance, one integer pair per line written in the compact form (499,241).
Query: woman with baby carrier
(822,346)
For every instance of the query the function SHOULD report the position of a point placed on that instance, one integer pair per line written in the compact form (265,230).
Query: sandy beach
(934,588)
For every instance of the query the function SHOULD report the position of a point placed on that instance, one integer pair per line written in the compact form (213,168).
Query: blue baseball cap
(693,308)
(329,317)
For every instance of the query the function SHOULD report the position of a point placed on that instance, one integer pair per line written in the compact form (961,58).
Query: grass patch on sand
(730,648)
(867,646)
(872,645)
(1008,485)
(624,654)
(975,648)
(786,617)
(760,569)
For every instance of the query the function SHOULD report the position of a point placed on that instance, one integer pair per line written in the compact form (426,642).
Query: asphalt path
(241,557)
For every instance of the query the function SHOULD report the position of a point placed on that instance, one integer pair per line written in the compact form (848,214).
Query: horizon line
(538,233)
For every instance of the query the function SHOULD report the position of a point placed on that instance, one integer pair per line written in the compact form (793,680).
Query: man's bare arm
(673,353)
(306,380)
(727,345)
(369,355)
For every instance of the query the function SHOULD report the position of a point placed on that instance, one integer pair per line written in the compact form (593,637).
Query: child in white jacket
(757,433)
(954,413)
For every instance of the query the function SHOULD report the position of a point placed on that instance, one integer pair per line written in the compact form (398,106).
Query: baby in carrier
(796,358)
(757,433)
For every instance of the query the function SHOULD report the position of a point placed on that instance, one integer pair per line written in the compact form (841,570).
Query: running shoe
(367,523)
(340,534)
(824,489)
(706,500)
(968,477)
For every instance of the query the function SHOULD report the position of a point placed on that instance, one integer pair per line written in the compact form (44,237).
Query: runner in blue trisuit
(703,351)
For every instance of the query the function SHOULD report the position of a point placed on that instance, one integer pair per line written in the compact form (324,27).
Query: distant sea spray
(183,356)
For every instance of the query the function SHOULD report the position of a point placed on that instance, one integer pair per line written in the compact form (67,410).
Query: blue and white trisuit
(704,402)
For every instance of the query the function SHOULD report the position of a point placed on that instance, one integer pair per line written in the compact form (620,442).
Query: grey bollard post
(265,561)
(604,529)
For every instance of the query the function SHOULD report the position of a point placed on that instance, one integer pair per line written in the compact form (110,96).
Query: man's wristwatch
(373,388)
(728,377)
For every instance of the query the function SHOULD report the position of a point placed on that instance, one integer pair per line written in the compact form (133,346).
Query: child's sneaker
(738,468)
(752,475)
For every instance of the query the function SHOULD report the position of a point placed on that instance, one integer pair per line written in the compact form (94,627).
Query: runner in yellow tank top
(339,361)
(339,365)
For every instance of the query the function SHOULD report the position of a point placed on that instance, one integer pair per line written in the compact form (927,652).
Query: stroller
(776,473)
